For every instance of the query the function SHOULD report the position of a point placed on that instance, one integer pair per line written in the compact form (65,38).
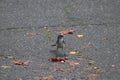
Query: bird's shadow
(58,53)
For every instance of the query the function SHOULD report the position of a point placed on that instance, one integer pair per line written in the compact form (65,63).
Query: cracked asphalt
(28,28)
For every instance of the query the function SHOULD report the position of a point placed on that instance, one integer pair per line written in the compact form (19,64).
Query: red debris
(58,59)
(20,62)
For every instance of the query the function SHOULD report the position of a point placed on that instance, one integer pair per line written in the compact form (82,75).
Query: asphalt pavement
(28,28)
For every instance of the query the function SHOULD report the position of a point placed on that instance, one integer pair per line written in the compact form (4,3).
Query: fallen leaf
(91,76)
(31,33)
(100,71)
(79,58)
(73,52)
(88,45)
(80,35)
(95,67)
(7,56)
(72,63)
(26,62)
(35,70)
(40,64)
(5,67)
(63,70)
(1,55)
(68,31)
(60,69)
(20,62)
(10,57)
(91,63)
(113,66)
(50,77)
(19,79)
(88,68)
(105,38)
(38,77)
(64,79)
(58,59)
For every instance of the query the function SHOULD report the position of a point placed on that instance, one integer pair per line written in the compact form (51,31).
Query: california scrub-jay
(60,43)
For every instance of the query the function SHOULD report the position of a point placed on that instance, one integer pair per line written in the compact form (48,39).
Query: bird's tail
(53,45)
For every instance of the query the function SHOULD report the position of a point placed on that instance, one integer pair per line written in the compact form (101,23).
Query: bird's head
(60,36)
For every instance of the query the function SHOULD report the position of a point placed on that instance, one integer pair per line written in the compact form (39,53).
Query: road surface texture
(28,28)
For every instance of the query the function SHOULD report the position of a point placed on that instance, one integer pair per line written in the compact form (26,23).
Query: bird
(60,43)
